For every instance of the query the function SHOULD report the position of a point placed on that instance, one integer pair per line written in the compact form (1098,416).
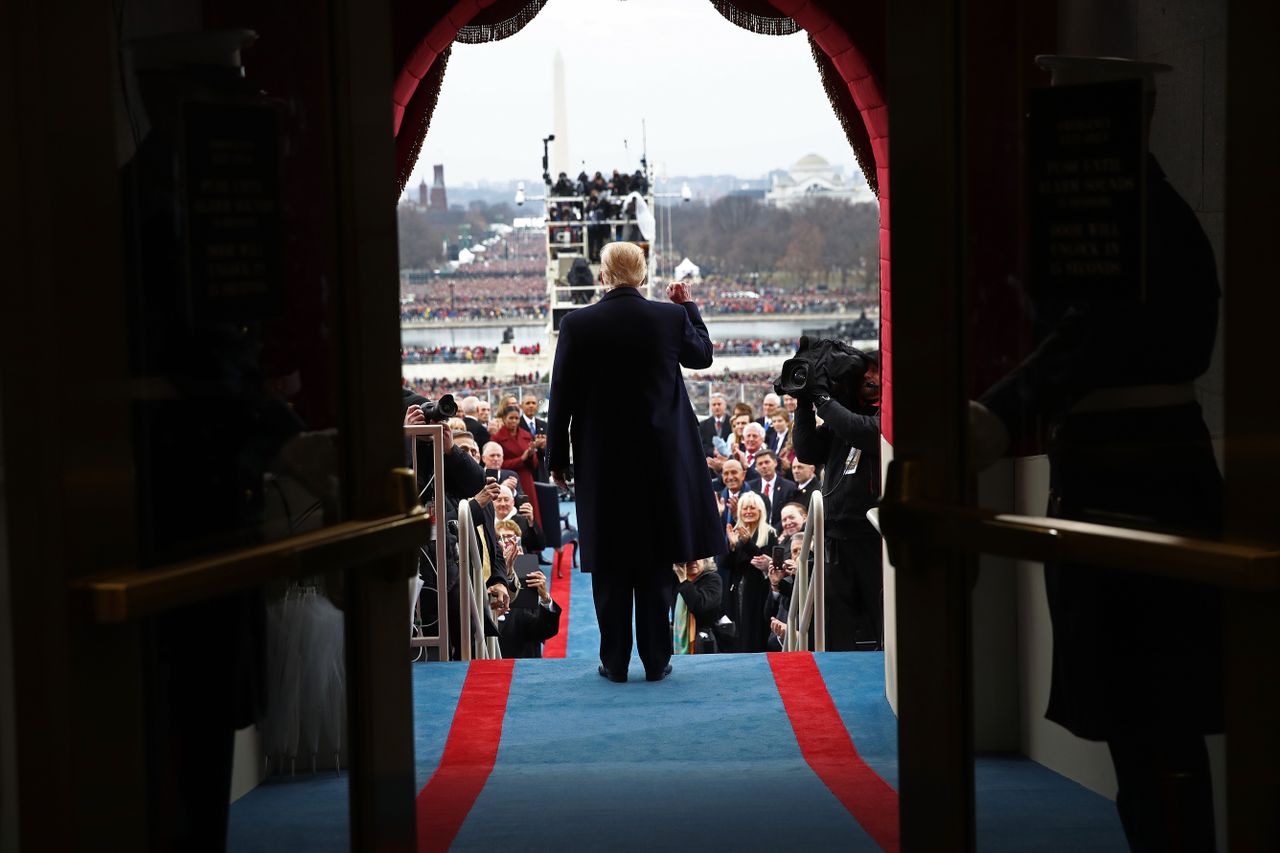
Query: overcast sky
(716,99)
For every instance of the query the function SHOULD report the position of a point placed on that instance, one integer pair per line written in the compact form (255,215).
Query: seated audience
(522,631)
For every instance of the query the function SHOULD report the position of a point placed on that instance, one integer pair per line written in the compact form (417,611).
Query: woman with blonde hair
(751,543)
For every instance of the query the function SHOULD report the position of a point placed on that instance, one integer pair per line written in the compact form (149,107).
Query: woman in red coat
(520,454)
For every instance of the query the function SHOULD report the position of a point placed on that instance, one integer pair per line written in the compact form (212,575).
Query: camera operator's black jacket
(847,497)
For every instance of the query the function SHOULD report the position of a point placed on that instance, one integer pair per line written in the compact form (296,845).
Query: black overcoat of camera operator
(842,385)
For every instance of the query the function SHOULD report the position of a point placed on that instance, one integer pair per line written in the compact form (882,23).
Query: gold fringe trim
(433,80)
(848,113)
(481,33)
(769,26)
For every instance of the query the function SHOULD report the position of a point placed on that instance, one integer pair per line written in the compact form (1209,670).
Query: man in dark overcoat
(625,342)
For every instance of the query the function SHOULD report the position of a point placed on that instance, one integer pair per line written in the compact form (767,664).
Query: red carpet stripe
(827,747)
(469,753)
(560,588)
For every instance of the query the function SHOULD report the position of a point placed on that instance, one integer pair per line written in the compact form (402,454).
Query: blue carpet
(706,759)
(703,760)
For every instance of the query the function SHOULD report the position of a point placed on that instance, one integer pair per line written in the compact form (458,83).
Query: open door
(977,251)
(200,406)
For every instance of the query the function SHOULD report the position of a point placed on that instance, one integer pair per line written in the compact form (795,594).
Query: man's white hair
(506,490)
(772,398)
(484,451)
(717,396)
(753,427)
(470,405)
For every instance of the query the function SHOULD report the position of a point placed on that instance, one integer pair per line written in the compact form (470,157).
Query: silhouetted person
(1136,658)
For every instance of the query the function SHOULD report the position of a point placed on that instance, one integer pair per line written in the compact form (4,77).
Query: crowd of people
(754,346)
(504,297)
(487,297)
(433,387)
(618,184)
(595,207)
(436,355)
(718,296)
(492,461)
(763,466)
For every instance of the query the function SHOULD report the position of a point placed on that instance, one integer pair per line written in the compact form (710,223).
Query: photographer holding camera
(464,479)
(842,386)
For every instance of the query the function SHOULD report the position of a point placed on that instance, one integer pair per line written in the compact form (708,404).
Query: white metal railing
(435,434)
(473,596)
(808,594)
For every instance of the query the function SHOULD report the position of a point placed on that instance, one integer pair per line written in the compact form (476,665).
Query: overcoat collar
(619,291)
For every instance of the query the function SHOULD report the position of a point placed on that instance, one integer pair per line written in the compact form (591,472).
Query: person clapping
(698,607)
(750,542)
(523,630)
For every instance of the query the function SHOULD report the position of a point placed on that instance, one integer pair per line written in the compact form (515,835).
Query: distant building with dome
(813,177)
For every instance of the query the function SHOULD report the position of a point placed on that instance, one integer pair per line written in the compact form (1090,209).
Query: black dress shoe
(650,676)
(604,671)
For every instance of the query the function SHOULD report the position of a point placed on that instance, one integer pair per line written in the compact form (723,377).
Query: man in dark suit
(626,341)
(491,457)
(775,489)
(752,445)
(806,477)
(770,404)
(728,488)
(535,426)
(471,417)
(504,509)
(521,631)
(717,424)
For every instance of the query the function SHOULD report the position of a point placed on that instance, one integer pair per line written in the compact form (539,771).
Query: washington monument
(559,121)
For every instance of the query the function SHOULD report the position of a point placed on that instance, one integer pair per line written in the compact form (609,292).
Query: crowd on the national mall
(498,297)
(763,465)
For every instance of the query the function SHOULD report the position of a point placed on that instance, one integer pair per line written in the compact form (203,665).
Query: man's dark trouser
(653,590)
(1164,793)
(854,594)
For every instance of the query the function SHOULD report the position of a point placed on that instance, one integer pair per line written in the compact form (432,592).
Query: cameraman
(844,390)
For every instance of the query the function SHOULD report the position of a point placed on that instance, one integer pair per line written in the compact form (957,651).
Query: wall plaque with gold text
(231,189)
(1086,189)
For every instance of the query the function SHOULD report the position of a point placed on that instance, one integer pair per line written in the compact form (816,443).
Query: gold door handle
(909,521)
(121,596)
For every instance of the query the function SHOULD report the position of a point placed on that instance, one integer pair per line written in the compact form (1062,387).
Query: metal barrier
(435,434)
(472,593)
(808,595)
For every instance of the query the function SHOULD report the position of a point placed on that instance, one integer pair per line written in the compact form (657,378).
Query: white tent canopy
(687,269)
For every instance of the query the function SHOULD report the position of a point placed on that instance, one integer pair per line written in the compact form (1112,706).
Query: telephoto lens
(439,410)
